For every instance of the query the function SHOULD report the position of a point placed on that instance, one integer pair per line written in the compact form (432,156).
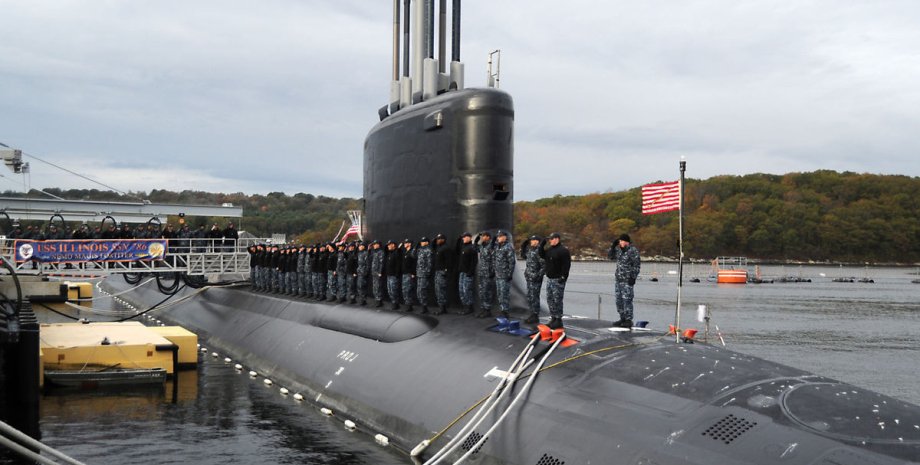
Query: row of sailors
(407,272)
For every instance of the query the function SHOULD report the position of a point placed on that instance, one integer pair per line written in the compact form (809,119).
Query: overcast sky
(278,95)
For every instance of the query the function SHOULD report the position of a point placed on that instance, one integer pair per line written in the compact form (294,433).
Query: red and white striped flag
(354,229)
(660,198)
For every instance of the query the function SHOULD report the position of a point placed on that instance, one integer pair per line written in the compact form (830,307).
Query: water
(861,333)
(865,334)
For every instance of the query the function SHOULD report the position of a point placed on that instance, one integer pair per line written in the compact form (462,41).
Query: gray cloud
(279,95)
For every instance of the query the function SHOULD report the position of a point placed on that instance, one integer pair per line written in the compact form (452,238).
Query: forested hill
(821,216)
(305,217)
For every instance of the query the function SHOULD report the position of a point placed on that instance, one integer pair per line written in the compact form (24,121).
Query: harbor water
(862,333)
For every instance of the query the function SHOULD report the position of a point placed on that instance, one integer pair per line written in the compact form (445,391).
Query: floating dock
(125,345)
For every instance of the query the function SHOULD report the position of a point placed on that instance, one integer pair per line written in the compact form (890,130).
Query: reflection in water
(219,416)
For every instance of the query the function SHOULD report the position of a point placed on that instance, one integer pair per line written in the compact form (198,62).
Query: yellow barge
(112,351)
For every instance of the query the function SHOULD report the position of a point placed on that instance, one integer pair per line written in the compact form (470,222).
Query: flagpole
(680,246)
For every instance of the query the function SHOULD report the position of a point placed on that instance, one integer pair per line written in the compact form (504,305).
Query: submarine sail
(441,158)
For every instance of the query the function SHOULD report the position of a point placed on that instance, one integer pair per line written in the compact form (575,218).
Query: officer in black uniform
(393,270)
(408,269)
(351,270)
(467,269)
(558,262)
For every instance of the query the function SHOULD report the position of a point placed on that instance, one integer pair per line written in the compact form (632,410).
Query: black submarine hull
(615,398)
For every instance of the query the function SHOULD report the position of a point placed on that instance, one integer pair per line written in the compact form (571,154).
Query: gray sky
(277,95)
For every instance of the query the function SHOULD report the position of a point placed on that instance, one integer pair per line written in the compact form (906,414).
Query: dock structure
(20,369)
(83,354)
(94,346)
(189,256)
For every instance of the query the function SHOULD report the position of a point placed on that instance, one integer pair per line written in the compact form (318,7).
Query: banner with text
(127,250)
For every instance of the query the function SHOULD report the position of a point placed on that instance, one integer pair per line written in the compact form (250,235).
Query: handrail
(193,256)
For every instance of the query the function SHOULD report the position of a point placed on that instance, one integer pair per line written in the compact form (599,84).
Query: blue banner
(102,250)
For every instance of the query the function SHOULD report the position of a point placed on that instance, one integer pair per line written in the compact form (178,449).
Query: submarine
(455,389)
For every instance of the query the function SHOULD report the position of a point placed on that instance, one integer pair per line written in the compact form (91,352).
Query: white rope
(28,441)
(503,387)
(525,390)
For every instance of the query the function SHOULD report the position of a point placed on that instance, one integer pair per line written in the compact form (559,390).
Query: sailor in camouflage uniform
(377,258)
(275,269)
(301,266)
(424,260)
(442,261)
(341,272)
(503,263)
(533,274)
(628,265)
(485,274)
(331,263)
(287,270)
(319,272)
(363,267)
(308,271)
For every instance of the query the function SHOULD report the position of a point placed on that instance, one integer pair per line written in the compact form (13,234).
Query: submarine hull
(613,398)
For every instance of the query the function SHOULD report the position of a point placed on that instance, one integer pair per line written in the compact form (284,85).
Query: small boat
(866,278)
(105,377)
(730,270)
(758,279)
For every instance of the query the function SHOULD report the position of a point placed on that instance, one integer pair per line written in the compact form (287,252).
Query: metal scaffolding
(194,257)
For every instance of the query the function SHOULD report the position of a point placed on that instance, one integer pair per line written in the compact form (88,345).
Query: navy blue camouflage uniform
(351,273)
(424,262)
(341,274)
(301,273)
(628,266)
(392,269)
(331,261)
(362,271)
(533,274)
(377,257)
(485,274)
(503,264)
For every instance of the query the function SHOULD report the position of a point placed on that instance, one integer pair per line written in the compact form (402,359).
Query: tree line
(820,216)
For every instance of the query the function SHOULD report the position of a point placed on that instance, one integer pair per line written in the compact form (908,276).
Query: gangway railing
(194,257)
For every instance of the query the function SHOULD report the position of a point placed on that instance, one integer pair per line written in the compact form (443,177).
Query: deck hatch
(550,460)
(729,428)
(471,441)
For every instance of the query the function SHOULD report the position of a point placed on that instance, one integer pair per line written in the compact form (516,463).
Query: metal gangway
(190,256)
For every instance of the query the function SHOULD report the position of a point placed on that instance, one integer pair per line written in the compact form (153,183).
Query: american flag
(354,229)
(660,198)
